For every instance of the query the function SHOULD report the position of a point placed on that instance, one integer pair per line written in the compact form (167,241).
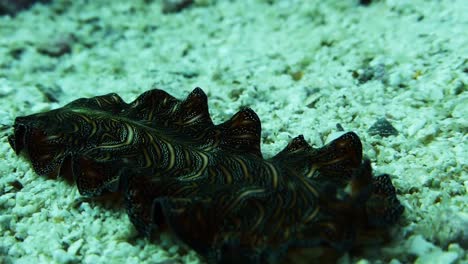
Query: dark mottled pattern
(209,184)
(12,7)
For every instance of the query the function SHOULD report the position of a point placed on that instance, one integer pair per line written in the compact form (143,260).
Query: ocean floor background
(303,66)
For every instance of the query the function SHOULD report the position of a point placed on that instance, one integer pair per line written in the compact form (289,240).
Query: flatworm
(209,184)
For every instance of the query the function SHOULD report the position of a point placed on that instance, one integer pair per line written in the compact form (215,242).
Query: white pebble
(75,246)
(416,126)
(61,256)
(419,246)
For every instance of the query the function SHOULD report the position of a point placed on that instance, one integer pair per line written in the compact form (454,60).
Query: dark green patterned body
(209,184)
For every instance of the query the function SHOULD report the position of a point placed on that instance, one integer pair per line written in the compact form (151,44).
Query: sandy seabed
(303,66)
